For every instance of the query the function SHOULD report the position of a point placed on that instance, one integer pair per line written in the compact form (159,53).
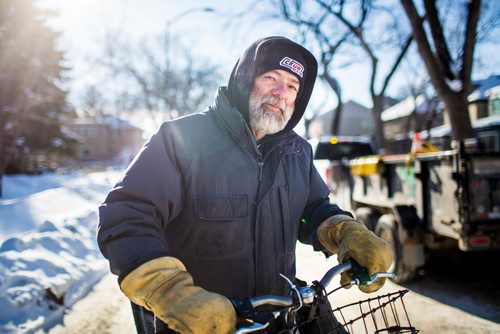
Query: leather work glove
(349,238)
(164,287)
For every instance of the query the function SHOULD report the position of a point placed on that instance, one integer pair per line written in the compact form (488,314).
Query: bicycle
(307,309)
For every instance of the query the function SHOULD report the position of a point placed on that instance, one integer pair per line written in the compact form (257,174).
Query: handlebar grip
(359,274)
(244,308)
(249,320)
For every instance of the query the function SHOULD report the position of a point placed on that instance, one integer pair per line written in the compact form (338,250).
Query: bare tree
(141,80)
(94,103)
(449,73)
(341,27)
(328,47)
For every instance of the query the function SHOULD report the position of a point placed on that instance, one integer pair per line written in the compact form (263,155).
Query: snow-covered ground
(49,257)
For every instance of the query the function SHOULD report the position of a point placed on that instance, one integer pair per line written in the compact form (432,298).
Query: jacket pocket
(222,231)
(221,207)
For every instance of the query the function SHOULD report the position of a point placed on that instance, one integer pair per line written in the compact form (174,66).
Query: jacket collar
(234,121)
(238,124)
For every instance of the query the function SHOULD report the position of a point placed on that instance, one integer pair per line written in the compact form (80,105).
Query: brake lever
(360,272)
(372,279)
(363,277)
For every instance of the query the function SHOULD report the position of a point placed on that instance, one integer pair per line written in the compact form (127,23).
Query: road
(446,299)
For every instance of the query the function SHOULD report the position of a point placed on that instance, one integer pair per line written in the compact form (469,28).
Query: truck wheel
(387,229)
(367,216)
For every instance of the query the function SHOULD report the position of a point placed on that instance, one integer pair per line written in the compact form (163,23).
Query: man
(213,205)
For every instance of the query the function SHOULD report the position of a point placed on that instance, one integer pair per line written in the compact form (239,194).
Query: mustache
(274,100)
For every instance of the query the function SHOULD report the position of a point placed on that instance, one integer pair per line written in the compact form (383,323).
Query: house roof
(445,129)
(420,104)
(349,108)
(110,120)
(493,92)
(482,86)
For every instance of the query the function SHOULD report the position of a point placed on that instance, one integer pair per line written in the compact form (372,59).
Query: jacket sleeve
(317,210)
(134,214)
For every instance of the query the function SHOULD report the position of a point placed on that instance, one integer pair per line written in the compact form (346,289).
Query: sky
(83,24)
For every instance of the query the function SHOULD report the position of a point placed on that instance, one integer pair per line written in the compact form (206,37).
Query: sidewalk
(105,310)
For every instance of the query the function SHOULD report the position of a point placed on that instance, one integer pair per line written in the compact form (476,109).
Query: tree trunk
(457,107)
(336,118)
(455,101)
(334,85)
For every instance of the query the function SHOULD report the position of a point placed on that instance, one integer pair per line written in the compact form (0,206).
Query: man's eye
(270,77)
(294,88)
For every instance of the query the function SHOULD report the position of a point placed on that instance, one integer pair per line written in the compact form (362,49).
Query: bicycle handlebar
(307,294)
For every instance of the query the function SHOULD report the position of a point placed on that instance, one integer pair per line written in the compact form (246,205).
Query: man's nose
(280,90)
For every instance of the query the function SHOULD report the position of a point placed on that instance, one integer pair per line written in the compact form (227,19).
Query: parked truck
(421,202)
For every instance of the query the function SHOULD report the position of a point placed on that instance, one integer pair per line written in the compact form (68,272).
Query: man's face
(272,101)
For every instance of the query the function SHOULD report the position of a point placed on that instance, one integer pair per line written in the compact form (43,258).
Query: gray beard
(265,121)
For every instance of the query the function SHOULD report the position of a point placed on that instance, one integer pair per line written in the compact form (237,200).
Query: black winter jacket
(203,191)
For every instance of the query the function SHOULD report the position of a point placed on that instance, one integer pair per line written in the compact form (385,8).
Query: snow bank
(49,257)
(28,201)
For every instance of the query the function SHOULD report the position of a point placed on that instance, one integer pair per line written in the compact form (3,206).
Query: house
(356,120)
(107,139)
(493,95)
(412,114)
(478,99)
(416,114)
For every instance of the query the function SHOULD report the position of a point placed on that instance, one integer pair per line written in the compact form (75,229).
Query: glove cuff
(164,287)
(139,284)
(330,231)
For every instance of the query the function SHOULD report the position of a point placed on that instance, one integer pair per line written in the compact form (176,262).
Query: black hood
(251,64)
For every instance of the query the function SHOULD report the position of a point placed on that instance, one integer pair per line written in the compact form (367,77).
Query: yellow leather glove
(164,287)
(349,238)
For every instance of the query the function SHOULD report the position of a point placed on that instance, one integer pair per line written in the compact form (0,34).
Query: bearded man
(214,204)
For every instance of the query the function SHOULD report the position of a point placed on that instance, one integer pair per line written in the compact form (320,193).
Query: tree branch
(394,67)
(434,70)
(442,51)
(357,31)
(474,9)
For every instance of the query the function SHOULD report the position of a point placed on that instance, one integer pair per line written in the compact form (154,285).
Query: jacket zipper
(260,167)
(260,164)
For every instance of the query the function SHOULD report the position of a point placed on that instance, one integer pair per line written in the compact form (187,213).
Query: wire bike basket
(381,314)
(307,310)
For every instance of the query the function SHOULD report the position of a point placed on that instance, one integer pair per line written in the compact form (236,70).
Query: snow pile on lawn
(49,257)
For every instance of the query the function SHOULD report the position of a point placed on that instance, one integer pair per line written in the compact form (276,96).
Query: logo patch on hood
(293,65)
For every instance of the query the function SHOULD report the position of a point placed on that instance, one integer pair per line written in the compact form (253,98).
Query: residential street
(440,302)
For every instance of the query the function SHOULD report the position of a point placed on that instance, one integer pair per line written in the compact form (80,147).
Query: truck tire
(387,229)
(367,216)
